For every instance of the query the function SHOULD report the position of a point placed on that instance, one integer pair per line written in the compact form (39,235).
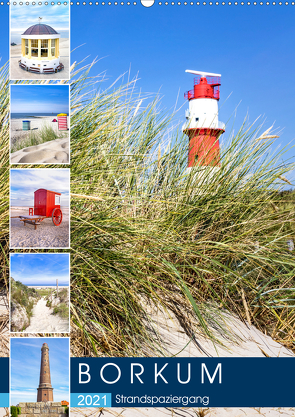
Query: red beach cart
(46,204)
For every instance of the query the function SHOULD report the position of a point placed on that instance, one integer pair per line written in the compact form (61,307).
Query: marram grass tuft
(145,232)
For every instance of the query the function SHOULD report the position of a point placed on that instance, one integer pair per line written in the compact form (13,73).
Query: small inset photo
(39,383)
(39,41)
(39,208)
(39,124)
(39,292)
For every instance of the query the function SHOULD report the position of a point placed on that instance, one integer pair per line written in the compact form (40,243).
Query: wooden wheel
(57,216)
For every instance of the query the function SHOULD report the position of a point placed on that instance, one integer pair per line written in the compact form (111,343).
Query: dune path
(43,321)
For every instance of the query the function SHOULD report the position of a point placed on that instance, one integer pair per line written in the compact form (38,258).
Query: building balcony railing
(191,94)
(210,80)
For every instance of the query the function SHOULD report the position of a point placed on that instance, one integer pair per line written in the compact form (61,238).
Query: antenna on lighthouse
(203,73)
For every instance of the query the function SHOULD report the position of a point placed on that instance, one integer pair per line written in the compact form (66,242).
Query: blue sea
(16,36)
(28,115)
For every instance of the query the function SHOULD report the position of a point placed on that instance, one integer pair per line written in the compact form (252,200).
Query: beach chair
(23,66)
(48,71)
(33,69)
(60,67)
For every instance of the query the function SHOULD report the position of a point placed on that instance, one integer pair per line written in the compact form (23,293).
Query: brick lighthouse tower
(45,390)
(202,125)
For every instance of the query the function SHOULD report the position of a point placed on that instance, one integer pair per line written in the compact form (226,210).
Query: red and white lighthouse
(202,125)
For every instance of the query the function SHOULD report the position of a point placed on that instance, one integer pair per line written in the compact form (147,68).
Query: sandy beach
(248,342)
(54,151)
(241,339)
(46,236)
(16,73)
(4,412)
(182,412)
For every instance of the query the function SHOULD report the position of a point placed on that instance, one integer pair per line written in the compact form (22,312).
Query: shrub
(62,310)
(66,409)
(63,295)
(15,411)
(144,231)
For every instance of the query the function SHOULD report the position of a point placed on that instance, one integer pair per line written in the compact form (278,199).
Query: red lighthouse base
(203,147)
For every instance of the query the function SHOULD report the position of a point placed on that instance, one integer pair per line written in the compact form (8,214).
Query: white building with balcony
(40,50)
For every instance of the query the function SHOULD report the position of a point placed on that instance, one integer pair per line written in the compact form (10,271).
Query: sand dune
(4,412)
(249,342)
(238,339)
(53,152)
(182,412)
(43,321)
(50,152)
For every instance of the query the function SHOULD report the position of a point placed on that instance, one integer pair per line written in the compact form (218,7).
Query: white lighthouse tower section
(202,113)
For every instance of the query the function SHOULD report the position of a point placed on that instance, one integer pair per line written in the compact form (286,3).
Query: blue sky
(39,99)
(24,182)
(40,268)
(251,46)
(25,356)
(23,16)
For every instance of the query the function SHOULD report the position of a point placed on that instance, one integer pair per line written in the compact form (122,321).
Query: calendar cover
(147,209)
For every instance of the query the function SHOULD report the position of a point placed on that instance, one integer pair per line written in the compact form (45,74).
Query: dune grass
(145,232)
(62,310)
(4,175)
(4,202)
(45,134)
(44,292)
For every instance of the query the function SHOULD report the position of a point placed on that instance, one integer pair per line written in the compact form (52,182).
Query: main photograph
(182,204)
(182,201)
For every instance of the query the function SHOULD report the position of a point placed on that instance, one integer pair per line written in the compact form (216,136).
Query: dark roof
(40,29)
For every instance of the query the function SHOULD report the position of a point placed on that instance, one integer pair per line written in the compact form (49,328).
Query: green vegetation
(144,232)
(24,296)
(4,199)
(66,409)
(15,411)
(62,310)
(45,134)
(44,292)
(63,295)
(4,177)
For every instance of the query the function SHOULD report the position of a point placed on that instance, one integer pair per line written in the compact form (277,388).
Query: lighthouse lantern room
(40,49)
(202,125)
